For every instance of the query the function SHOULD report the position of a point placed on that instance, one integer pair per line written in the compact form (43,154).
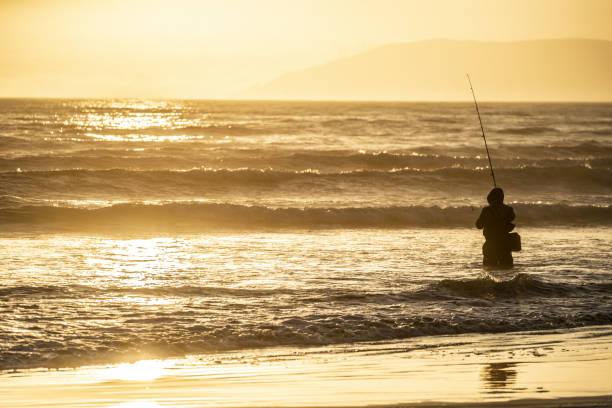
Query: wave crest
(184,216)
(489,288)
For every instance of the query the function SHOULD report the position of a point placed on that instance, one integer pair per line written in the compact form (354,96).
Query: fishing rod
(483,132)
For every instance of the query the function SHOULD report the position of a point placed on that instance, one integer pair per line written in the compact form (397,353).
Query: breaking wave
(486,287)
(530,130)
(325,162)
(118,181)
(522,285)
(135,333)
(181,216)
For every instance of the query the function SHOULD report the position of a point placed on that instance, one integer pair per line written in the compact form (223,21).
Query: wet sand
(543,369)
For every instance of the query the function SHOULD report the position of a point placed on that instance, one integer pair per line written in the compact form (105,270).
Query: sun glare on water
(137,404)
(136,261)
(144,370)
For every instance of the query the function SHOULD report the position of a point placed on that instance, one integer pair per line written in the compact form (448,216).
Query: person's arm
(510,217)
(480,220)
(510,214)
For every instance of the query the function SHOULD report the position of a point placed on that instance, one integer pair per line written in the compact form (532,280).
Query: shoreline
(543,369)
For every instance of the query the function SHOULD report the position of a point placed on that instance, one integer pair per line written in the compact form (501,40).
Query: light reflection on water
(143,370)
(137,404)
(499,377)
(441,369)
(101,296)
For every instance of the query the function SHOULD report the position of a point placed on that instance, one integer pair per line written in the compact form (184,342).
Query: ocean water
(140,229)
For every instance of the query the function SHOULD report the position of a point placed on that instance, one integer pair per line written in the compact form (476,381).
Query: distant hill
(539,70)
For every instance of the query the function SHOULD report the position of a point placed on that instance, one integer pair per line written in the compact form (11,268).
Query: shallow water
(92,299)
(143,229)
(549,369)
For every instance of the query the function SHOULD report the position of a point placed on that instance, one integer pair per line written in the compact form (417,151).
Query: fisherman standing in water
(496,219)
(496,222)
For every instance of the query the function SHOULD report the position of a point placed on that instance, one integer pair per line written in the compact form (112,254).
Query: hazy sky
(213,49)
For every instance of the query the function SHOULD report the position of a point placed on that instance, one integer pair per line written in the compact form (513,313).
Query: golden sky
(214,49)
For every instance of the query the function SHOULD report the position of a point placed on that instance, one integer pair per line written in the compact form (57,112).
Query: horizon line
(467,100)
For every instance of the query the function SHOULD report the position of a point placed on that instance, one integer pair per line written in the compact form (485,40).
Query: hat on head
(496,196)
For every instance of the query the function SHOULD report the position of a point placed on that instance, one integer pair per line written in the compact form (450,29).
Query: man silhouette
(496,222)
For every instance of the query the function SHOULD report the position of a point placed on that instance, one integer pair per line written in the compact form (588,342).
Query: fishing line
(483,132)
